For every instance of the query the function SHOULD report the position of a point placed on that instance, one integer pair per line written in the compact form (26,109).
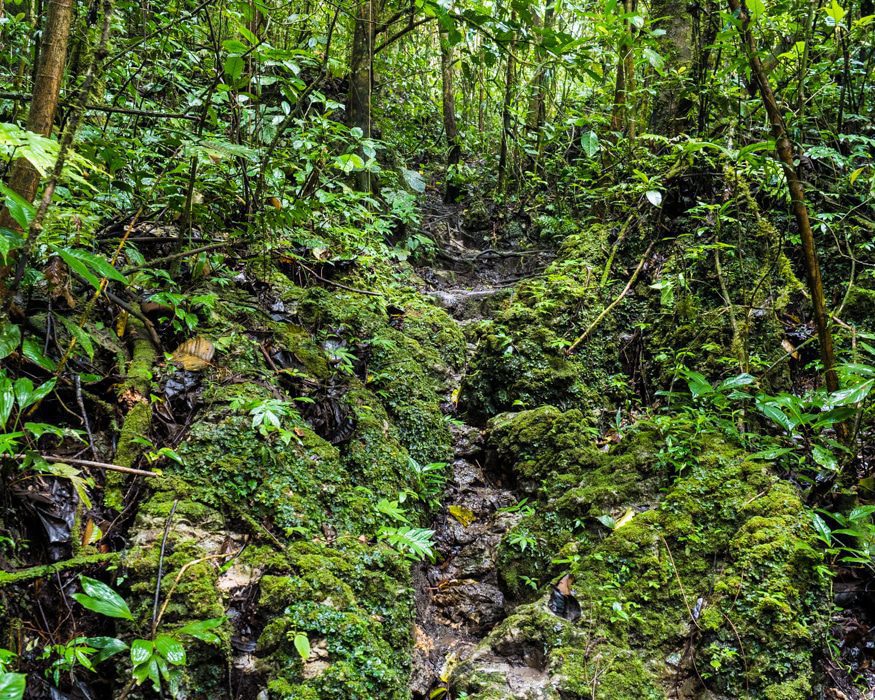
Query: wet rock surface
(459,600)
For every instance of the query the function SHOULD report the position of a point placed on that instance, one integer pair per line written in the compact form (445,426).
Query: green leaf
(302,644)
(33,351)
(10,337)
(821,528)
(234,46)
(736,382)
(654,59)
(107,647)
(202,629)
(7,400)
(12,686)
(82,338)
(349,162)
(589,142)
(835,12)
(9,240)
(777,415)
(698,384)
(413,541)
(100,598)
(26,395)
(824,458)
(141,651)
(851,395)
(19,208)
(23,389)
(171,649)
(414,180)
(771,454)
(233,67)
(89,266)
(392,509)
(757,9)
(861,513)
(79,267)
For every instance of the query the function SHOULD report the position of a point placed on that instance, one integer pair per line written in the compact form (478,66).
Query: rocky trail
(458,597)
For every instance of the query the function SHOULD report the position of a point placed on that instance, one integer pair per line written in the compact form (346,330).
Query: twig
(85,420)
(161,567)
(613,304)
(150,328)
(620,238)
(179,576)
(12,577)
(111,110)
(680,583)
(159,30)
(174,256)
(99,465)
(337,284)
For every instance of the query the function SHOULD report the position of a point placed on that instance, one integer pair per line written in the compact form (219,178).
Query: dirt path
(458,598)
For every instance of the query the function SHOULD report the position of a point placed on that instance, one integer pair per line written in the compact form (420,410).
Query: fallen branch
(613,304)
(337,284)
(11,577)
(101,465)
(150,328)
(174,256)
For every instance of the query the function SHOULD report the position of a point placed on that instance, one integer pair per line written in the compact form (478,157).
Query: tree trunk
(505,118)
(671,103)
(623,117)
(538,97)
(786,155)
(451,129)
(361,78)
(24,178)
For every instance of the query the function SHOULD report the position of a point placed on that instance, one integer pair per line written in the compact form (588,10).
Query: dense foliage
(227,408)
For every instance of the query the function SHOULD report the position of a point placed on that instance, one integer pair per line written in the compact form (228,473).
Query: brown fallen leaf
(194,354)
(790,349)
(565,584)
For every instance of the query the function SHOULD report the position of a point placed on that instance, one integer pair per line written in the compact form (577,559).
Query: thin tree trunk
(505,119)
(538,98)
(361,77)
(786,155)
(671,103)
(623,118)
(24,178)
(451,129)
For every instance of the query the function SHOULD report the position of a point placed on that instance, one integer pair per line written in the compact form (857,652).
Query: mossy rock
(725,537)
(355,611)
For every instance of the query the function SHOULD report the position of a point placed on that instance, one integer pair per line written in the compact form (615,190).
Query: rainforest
(437,349)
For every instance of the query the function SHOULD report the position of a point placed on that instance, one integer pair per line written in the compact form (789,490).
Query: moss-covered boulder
(354,606)
(703,576)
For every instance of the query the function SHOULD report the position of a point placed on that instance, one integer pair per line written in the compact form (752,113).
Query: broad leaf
(7,400)
(12,686)
(10,338)
(107,647)
(203,630)
(100,598)
(302,644)
(654,197)
(141,651)
(19,208)
(589,142)
(171,649)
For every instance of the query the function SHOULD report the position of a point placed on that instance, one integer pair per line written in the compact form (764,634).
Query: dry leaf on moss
(194,354)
